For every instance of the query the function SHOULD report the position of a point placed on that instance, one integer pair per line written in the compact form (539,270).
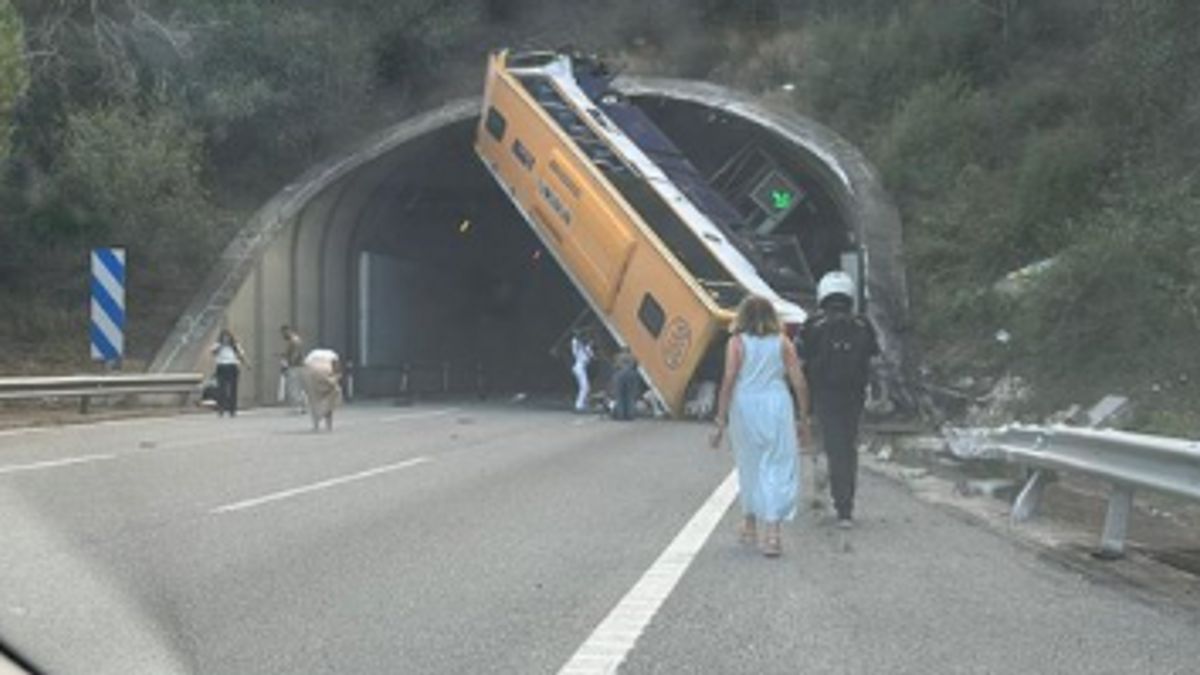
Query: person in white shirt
(581,353)
(228,354)
(322,372)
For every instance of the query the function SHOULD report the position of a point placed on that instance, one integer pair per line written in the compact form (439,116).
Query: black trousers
(227,395)
(626,383)
(838,412)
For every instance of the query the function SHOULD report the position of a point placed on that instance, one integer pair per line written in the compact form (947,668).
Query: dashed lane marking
(313,487)
(53,464)
(614,638)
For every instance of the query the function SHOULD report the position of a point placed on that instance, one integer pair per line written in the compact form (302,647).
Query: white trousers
(581,379)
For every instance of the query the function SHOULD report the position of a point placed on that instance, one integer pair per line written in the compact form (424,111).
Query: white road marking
(276,496)
(18,468)
(418,415)
(22,431)
(612,640)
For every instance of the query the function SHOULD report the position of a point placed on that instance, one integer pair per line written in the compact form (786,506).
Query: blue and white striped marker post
(108,304)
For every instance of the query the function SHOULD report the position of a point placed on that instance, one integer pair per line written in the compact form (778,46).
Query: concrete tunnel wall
(293,262)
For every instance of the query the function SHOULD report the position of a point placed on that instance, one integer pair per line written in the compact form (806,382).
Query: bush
(861,67)
(14,77)
(936,132)
(1124,302)
(1147,56)
(1056,185)
(131,177)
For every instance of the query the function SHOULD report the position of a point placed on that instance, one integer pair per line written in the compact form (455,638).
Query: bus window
(651,315)
(495,124)
(522,153)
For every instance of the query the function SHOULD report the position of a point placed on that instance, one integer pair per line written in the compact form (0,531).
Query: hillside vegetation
(1009,131)
(1012,132)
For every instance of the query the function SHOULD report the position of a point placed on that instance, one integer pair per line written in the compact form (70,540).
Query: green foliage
(1010,132)
(1121,309)
(268,83)
(1057,176)
(1129,291)
(14,75)
(936,132)
(861,67)
(133,177)
(1146,58)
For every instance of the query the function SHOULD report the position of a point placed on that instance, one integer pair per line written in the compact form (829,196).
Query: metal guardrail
(1126,460)
(88,386)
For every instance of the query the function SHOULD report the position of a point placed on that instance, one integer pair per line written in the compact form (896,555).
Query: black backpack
(840,357)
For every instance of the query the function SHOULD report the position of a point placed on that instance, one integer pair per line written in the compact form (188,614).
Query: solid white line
(418,415)
(17,468)
(276,496)
(613,639)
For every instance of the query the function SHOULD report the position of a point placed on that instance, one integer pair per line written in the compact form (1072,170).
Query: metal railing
(86,387)
(1126,460)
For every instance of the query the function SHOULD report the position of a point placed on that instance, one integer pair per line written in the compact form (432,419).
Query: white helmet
(836,282)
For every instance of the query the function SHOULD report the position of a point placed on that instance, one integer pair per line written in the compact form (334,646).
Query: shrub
(1124,302)
(1056,184)
(936,132)
(14,76)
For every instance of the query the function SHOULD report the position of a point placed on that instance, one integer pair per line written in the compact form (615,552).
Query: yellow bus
(655,270)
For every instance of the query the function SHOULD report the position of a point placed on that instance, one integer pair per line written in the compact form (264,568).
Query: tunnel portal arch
(364,252)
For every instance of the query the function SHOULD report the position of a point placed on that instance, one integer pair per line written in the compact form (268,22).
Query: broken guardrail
(87,387)
(1128,461)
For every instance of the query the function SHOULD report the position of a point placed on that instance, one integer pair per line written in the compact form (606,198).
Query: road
(481,539)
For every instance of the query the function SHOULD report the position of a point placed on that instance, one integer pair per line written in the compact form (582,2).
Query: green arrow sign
(782,199)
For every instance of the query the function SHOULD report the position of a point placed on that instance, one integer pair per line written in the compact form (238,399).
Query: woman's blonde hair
(756,316)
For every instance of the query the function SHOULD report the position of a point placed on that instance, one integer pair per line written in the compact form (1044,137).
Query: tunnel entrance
(405,257)
(453,293)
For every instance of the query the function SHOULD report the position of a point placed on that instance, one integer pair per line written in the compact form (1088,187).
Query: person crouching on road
(837,346)
(767,426)
(322,370)
(228,354)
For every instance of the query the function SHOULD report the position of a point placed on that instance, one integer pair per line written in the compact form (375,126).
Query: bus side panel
(588,242)
(657,313)
(666,326)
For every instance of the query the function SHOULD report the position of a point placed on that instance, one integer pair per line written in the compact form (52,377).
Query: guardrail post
(1116,522)
(1027,503)
(446,377)
(84,404)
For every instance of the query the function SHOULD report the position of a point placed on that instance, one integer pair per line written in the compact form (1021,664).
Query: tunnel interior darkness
(460,290)
(452,287)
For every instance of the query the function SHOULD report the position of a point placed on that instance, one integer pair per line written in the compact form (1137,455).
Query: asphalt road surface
(476,539)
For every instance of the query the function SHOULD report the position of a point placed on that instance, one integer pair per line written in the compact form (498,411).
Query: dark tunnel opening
(452,286)
(451,291)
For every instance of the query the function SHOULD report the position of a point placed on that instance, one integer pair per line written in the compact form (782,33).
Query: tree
(14,75)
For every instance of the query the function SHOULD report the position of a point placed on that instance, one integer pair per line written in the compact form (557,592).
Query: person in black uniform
(626,385)
(837,346)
